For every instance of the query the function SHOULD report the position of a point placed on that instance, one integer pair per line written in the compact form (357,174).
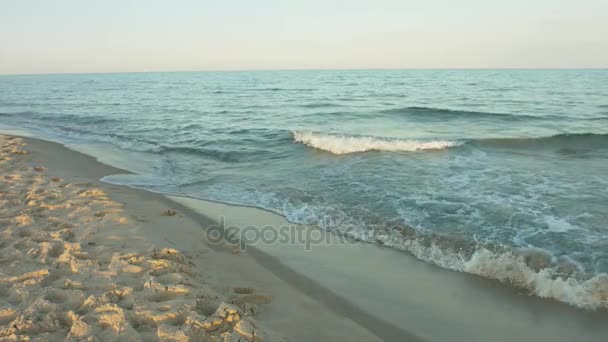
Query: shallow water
(500,173)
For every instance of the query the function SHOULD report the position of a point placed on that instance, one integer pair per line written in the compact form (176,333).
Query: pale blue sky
(54,36)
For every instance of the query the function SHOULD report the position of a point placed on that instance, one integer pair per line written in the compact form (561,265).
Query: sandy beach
(84,260)
(304,171)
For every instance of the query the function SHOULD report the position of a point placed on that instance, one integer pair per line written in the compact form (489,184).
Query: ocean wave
(58,117)
(223,156)
(545,283)
(319,105)
(530,270)
(120,141)
(445,114)
(570,141)
(211,151)
(343,144)
(566,143)
(533,270)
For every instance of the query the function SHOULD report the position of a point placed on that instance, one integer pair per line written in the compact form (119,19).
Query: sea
(498,173)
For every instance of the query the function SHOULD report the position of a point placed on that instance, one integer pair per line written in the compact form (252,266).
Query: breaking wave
(343,144)
(533,270)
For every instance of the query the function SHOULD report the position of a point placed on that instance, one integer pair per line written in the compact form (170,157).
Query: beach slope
(80,259)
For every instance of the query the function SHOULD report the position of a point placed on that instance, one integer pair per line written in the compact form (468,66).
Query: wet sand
(429,302)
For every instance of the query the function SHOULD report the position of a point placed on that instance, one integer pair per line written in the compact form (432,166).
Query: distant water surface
(501,173)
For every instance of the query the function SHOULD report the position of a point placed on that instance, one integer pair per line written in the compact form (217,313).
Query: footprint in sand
(243,290)
(253,299)
(169,212)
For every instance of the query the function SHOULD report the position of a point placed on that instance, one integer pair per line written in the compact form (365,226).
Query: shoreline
(279,308)
(409,292)
(297,269)
(535,270)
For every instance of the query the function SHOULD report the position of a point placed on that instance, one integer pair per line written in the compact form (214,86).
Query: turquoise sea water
(481,171)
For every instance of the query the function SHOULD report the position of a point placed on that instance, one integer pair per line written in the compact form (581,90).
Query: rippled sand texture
(74,264)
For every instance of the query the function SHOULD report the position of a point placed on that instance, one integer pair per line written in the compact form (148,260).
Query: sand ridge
(74,265)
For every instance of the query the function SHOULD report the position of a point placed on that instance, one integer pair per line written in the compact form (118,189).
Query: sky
(76,36)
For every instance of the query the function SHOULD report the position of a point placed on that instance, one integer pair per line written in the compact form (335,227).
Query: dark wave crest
(71,118)
(429,113)
(215,154)
(564,142)
(320,105)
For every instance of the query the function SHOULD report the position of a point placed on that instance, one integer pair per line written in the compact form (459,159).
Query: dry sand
(83,260)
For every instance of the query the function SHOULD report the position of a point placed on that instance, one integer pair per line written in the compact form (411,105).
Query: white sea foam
(546,283)
(341,144)
(511,268)
(532,269)
(559,225)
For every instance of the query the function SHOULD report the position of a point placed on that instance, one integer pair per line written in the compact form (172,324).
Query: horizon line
(294,69)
